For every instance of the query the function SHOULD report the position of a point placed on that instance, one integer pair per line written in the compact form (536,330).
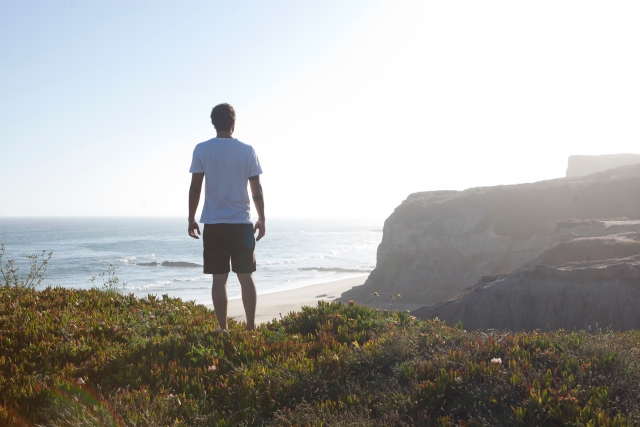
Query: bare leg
(219,296)
(249,298)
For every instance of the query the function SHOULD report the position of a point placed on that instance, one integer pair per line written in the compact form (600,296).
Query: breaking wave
(169,264)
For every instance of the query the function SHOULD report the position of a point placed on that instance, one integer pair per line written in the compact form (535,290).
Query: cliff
(584,295)
(586,165)
(437,243)
(592,241)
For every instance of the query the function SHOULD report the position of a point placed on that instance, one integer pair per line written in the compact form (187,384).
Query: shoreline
(273,305)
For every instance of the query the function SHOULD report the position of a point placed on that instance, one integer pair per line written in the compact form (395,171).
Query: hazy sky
(351,105)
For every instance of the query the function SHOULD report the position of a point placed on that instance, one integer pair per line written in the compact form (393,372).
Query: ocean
(293,253)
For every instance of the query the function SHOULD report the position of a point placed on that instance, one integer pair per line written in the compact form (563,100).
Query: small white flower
(496,361)
(459,380)
(211,368)
(80,381)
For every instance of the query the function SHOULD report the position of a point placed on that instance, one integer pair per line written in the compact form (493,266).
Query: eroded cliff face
(435,244)
(584,295)
(591,241)
(591,277)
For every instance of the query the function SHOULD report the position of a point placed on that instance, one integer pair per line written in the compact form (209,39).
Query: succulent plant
(99,357)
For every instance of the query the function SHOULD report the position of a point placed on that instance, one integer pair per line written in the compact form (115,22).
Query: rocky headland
(435,244)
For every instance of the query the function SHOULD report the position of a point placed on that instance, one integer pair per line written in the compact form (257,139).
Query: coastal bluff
(587,296)
(589,280)
(437,243)
(586,165)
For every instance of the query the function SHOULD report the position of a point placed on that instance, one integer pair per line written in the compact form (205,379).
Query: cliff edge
(435,244)
(586,165)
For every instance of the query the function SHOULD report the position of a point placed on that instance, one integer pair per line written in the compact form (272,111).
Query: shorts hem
(226,221)
(244,272)
(213,271)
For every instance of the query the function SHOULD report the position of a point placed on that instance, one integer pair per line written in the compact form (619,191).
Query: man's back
(227,165)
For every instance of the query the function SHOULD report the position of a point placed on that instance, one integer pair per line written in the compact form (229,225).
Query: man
(227,164)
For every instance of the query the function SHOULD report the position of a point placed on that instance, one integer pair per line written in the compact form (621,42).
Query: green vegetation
(101,358)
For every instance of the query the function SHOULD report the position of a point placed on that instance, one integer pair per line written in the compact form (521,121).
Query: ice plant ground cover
(100,357)
(95,357)
(104,358)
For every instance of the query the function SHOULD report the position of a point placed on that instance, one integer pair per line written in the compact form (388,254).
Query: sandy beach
(271,305)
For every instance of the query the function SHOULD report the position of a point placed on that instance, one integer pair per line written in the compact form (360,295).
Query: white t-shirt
(227,165)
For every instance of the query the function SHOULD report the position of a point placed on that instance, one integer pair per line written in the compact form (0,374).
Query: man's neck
(223,134)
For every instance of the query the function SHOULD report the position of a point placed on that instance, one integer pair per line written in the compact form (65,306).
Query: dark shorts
(224,242)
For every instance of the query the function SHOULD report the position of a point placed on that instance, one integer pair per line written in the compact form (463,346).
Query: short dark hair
(223,116)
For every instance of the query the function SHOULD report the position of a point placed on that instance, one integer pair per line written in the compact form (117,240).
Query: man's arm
(258,202)
(194,200)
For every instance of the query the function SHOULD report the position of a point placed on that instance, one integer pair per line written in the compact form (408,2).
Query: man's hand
(194,199)
(193,227)
(258,201)
(260,227)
